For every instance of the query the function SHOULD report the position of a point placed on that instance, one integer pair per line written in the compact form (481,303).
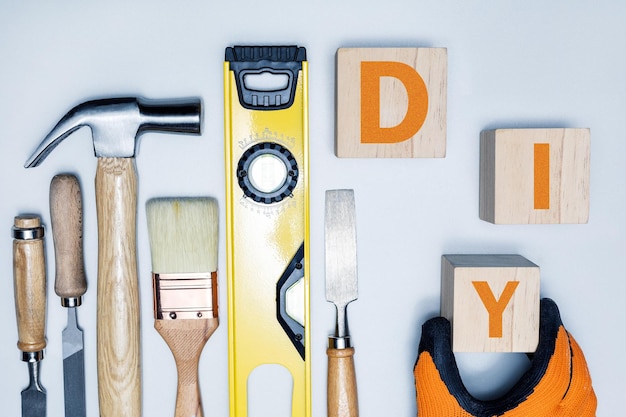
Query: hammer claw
(117,123)
(65,127)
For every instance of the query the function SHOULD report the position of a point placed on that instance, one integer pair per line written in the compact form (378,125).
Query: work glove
(557,384)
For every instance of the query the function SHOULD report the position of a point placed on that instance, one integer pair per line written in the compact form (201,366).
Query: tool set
(267,206)
(116,125)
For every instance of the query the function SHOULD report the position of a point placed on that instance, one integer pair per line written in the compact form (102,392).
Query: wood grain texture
(66,215)
(342,393)
(430,140)
(508,176)
(186,339)
(482,295)
(29,273)
(119,365)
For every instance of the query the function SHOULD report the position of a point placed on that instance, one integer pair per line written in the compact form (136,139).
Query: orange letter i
(542,176)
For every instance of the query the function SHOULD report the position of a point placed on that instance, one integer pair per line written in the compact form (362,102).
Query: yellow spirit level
(267,217)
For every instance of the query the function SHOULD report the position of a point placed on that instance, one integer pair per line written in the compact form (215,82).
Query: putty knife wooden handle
(119,366)
(66,220)
(29,272)
(342,392)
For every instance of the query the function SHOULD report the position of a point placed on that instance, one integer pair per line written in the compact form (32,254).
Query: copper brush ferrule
(185,295)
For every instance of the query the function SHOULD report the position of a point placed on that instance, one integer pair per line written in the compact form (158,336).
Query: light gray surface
(511,64)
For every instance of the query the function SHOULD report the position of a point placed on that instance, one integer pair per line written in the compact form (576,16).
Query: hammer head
(117,123)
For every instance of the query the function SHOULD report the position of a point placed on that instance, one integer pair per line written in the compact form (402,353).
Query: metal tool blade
(73,367)
(341,260)
(34,396)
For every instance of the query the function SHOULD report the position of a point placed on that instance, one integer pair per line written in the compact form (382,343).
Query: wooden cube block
(492,302)
(534,176)
(391,102)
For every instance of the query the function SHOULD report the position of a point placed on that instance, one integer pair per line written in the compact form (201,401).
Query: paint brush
(183,245)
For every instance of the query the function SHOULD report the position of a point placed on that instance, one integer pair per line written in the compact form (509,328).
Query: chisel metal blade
(34,396)
(73,367)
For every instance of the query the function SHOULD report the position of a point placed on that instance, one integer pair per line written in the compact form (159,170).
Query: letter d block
(534,176)
(492,302)
(391,102)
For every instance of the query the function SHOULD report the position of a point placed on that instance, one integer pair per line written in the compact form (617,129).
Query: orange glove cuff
(557,384)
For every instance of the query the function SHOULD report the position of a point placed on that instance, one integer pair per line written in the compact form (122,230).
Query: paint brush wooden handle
(66,216)
(186,339)
(342,393)
(119,365)
(29,271)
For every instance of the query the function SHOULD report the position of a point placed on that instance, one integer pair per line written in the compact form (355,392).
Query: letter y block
(492,302)
(391,102)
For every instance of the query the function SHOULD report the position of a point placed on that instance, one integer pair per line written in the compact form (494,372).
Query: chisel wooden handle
(119,365)
(186,339)
(66,215)
(342,393)
(29,272)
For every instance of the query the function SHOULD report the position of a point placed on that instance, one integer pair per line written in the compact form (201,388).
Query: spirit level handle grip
(119,365)
(67,231)
(342,394)
(29,273)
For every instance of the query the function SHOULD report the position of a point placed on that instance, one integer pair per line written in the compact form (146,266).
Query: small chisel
(70,283)
(29,274)
(341,289)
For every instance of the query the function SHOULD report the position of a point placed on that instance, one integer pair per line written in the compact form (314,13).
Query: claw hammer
(116,124)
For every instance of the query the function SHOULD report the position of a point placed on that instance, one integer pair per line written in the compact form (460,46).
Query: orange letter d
(417,108)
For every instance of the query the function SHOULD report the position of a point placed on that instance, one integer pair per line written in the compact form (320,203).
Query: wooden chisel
(70,283)
(341,289)
(29,273)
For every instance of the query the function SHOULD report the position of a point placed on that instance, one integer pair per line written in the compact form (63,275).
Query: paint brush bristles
(183,234)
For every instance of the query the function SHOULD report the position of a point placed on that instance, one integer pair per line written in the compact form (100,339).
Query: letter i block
(391,102)
(534,176)
(492,302)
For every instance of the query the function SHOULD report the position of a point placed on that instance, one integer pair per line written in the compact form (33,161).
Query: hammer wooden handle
(29,272)
(186,339)
(66,215)
(342,394)
(119,364)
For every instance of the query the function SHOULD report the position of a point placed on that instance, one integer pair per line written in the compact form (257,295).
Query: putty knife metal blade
(340,239)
